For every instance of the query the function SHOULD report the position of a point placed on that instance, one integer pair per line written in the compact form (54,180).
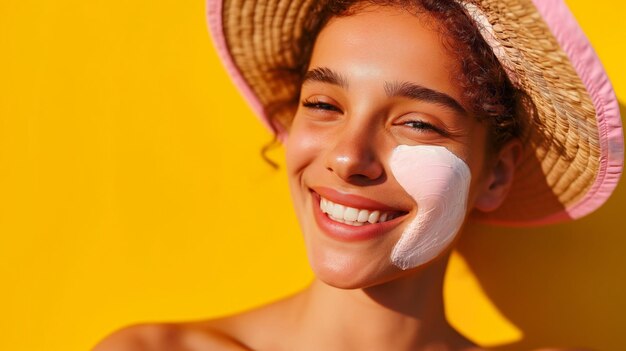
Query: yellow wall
(131,189)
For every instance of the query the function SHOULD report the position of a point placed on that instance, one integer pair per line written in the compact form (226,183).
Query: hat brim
(576,151)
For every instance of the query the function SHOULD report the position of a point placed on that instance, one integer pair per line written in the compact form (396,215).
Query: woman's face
(377,79)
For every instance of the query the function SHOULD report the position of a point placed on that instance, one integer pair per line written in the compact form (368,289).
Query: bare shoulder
(239,332)
(170,337)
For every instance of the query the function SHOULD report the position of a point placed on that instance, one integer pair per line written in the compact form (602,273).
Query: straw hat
(575,154)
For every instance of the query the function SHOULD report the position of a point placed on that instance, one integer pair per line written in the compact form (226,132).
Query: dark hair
(487,91)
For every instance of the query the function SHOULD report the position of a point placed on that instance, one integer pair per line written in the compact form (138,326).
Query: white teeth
(336,219)
(373,218)
(383,217)
(338,210)
(363,216)
(353,216)
(329,207)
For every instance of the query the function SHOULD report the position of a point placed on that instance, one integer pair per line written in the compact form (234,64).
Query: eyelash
(424,126)
(415,125)
(318,105)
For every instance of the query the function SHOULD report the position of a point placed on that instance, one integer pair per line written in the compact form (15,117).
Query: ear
(499,177)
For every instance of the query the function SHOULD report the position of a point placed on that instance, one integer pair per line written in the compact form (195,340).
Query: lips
(350,217)
(354,216)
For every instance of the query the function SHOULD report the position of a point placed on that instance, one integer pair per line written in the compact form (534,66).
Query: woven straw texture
(562,152)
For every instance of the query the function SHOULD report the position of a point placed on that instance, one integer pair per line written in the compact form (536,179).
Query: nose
(355,158)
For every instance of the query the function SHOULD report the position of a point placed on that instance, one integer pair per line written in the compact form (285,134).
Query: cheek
(299,147)
(439,183)
(303,146)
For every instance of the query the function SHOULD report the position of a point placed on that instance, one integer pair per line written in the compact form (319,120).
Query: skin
(341,138)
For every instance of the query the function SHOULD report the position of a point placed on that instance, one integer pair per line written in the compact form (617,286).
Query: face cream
(438,181)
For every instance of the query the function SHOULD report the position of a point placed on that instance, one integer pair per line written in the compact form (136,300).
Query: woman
(401,120)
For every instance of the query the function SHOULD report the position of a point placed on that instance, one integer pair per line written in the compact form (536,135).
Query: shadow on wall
(561,285)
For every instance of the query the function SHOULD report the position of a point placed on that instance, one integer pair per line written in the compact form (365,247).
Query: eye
(424,127)
(316,104)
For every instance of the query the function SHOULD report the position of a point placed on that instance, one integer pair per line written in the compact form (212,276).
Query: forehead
(387,43)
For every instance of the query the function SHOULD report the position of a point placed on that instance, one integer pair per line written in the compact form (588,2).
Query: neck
(406,313)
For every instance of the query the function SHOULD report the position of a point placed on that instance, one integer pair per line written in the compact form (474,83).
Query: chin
(345,280)
(344,271)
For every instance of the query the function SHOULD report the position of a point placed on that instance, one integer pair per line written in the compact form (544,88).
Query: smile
(351,217)
(354,216)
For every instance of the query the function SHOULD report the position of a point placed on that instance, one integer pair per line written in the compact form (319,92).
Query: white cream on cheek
(439,183)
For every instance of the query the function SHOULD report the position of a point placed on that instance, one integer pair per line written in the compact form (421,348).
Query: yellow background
(132,189)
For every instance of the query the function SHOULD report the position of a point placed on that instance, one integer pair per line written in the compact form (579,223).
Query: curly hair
(488,93)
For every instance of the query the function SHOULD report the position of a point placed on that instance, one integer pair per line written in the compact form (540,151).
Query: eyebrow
(393,89)
(418,92)
(325,75)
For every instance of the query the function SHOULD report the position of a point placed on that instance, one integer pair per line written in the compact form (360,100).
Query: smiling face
(377,79)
